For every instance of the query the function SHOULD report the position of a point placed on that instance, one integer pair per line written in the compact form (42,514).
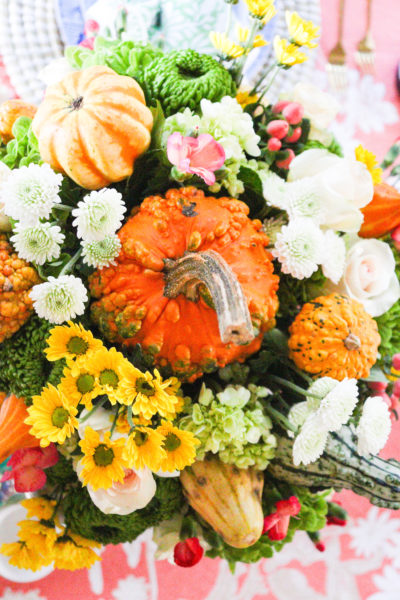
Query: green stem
(292,386)
(63,207)
(271,81)
(249,45)
(228,20)
(114,423)
(263,76)
(69,266)
(130,419)
(279,418)
(94,409)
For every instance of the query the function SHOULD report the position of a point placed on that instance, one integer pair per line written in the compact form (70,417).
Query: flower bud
(274,144)
(294,136)
(285,163)
(293,113)
(278,128)
(279,106)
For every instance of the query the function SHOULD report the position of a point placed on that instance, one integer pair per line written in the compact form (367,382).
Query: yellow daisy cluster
(42,541)
(302,33)
(369,159)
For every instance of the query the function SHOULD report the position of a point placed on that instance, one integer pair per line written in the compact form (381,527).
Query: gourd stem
(184,276)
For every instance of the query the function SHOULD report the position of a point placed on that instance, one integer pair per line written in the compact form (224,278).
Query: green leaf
(376,374)
(158,123)
(21,127)
(253,195)
(391,155)
(54,268)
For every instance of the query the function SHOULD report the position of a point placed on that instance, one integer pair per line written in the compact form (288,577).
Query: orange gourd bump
(14,434)
(93,125)
(382,214)
(333,336)
(193,284)
(10,111)
(16,280)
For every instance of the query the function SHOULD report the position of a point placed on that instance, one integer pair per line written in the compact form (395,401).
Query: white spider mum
(304,201)
(337,406)
(275,189)
(38,243)
(58,300)
(299,248)
(334,257)
(102,253)
(374,427)
(30,193)
(298,414)
(99,214)
(310,443)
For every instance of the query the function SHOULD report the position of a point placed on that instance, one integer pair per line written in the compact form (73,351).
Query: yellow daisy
(37,535)
(104,460)
(23,556)
(144,449)
(225,46)
(262,9)
(122,424)
(288,54)
(301,32)
(39,507)
(259,42)
(52,417)
(148,394)
(242,33)
(71,341)
(80,386)
(179,445)
(369,159)
(108,367)
(244,97)
(72,552)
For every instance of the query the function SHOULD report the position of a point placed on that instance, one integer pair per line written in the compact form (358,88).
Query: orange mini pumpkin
(382,214)
(333,336)
(10,111)
(93,125)
(191,283)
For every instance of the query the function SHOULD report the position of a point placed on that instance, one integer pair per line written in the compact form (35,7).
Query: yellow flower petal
(301,32)
(104,460)
(144,449)
(52,417)
(225,46)
(244,98)
(180,447)
(259,42)
(71,341)
(288,54)
(369,159)
(262,9)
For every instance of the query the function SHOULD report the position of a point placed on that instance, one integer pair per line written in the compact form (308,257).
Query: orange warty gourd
(10,111)
(14,434)
(93,125)
(16,279)
(382,214)
(192,280)
(333,336)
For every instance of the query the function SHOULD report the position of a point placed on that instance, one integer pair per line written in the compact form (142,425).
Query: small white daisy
(58,300)
(298,414)
(310,443)
(30,193)
(38,243)
(374,427)
(99,214)
(103,253)
(337,406)
(299,248)
(334,257)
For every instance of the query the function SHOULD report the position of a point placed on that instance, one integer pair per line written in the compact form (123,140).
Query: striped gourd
(341,467)
(228,498)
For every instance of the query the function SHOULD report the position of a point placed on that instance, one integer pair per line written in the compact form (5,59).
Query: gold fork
(336,65)
(365,55)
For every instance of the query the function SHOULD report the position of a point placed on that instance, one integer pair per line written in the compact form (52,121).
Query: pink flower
(87,43)
(200,156)
(277,523)
(27,466)
(91,26)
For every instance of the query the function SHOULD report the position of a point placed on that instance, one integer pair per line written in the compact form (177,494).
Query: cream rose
(5,224)
(369,275)
(321,108)
(343,185)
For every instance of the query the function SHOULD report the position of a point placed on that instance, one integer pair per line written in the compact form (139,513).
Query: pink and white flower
(200,156)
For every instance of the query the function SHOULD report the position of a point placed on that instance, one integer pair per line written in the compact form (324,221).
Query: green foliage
(23,149)
(293,293)
(389,330)
(61,473)
(84,518)
(334,147)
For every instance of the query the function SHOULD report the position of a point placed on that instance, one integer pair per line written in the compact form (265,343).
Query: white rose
(5,224)
(321,108)
(135,492)
(344,185)
(369,275)
(101,421)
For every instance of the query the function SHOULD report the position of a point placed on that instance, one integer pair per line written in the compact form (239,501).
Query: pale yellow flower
(259,42)
(301,32)
(244,97)
(262,9)
(242,33)
(225,46)
(288,54)
(369,159)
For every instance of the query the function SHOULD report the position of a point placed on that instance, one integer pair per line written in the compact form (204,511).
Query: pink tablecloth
(361,561)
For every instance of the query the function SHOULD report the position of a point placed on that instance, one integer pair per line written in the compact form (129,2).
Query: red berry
(293,113)
(378,386)
(285,163)
(278,128)
(274,144)
(279,106)
(396,362)
(188,553)
(296,134)
(320,546)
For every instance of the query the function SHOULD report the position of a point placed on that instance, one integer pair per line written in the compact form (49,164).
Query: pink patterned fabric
(362,560)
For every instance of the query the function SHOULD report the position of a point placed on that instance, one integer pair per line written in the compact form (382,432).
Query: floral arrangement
(198,308)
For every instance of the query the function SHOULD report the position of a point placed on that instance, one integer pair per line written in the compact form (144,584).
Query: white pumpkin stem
(185,275)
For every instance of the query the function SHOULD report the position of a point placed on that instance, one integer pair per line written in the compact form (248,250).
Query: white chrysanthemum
(29,193)
(103,253)
(275,189)
(310,443)
(374,427)
(99,214)
(5,224)
(338,405)
(299,248)
(318,390)
(298,414)
(335,256)
(39,243)
(304,201)
(58,300)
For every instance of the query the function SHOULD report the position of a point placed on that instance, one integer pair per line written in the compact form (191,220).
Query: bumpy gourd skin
(183,77)
(318,338)
(178,332)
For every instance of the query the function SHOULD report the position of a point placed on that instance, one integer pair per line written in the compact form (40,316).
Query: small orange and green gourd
(193,283)
(334,336)
(16,280)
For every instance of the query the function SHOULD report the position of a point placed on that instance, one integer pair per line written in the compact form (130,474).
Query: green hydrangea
(233,425)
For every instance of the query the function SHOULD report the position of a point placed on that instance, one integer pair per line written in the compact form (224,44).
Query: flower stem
(63,207)
(130,419)
(279,418)
(94,409)
(228,20)
(292,386)
(249,45)
(271,81)
(114,422)
(70,264)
